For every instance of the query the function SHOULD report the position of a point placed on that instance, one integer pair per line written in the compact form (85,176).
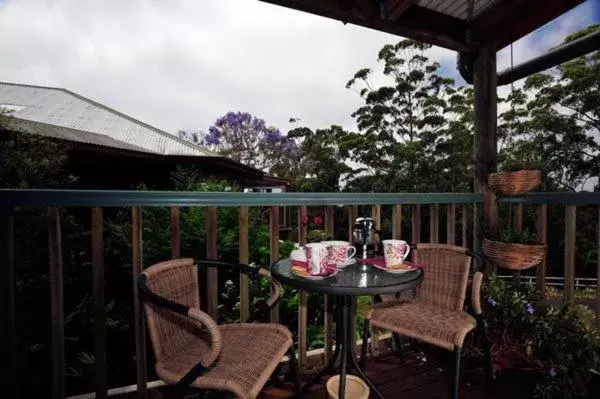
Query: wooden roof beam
(395,8)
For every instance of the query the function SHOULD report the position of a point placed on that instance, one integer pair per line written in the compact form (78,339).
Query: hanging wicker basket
(514,256)
(514,183)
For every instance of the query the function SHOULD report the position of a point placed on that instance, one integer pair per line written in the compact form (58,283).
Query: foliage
(247,139)
(558,341)
(517,237)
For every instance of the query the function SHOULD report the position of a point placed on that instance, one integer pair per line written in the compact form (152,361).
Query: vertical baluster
(303,296)
(517,225)
(542,232)
(570,219)
(397,222)
(598,276)
(352,215)
(211,253)
(175,233)
(464,224)
(138,314)
(244,259)
(99,302)
(56,303)
(434,223)
(328,316)
(416,223)
(376,215)
(274,250)
(8,335)
(451,224)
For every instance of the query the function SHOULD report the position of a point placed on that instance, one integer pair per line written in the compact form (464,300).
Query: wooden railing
(456,208)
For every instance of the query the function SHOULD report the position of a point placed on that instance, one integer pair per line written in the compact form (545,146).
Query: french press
(364,234)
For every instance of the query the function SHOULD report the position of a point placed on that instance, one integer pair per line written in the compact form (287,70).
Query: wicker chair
(192,351)
(436,315)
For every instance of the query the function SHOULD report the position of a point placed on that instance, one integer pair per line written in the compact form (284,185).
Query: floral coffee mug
(395,252)
(340,252)
(317,257)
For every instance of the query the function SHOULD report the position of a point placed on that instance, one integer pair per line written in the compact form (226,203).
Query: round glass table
(350,282)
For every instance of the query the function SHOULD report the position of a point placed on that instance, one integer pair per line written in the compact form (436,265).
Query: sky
(180,64)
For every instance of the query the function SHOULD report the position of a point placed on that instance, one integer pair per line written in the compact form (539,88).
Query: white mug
(395,252)
(317,257)
(341,251)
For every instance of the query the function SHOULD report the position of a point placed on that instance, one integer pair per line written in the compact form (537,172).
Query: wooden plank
(416,223)
(542,236)
(138,311)
(212,300)
(570,222)
(395,8)
(397,222)
(328,315)
(329,220)
(517,225)
(434,223)
(352,212)
(451,224)
(464,223)
(274,251)
(244,259)
(598,276)
(99,302)
(56,303)
(376,214)
(175,232)
(8,334)
(303,297)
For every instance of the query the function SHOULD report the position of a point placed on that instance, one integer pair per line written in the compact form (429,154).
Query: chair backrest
(446,275)
(176,280)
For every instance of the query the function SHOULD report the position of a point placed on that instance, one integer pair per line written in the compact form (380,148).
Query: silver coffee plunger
(364,234)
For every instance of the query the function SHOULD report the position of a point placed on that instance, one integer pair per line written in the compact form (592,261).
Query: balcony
(414,217)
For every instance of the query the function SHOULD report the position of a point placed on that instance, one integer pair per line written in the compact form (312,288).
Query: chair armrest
(476,292)
(259,271)
(196,315)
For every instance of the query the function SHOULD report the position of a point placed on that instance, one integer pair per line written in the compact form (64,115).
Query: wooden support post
(99,302)
(416,223)
(175,233)
(138,312)
(486,143)
(464,225)
(434,223)
(542,236)
(8,333)
(517,225)
(598,276)
(56,303)
(451,224)
(329,221)
(274,251)
(303,297)
(352,215)
(212,283)
(328,316)
(244,259)
(397,222)
(570,223)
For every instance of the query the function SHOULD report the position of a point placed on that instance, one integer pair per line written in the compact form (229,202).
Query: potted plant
(516,250)
(516,179)
(317,233)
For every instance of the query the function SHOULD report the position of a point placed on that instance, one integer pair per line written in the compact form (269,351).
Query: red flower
(305,219)
(318,220)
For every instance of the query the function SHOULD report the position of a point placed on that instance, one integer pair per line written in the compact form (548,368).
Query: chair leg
(295,371)
(365,344)
(456,373)
(487,348)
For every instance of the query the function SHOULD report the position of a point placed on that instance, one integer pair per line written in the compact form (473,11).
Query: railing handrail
(556,198)
(118,198)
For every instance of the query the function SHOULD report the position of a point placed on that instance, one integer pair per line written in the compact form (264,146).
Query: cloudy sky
(179,64)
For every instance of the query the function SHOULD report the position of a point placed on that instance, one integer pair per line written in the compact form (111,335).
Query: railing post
(244,259)
(99,302)
(542,232)
(598,275)
(451,224)
(464,225)
(138,312)
(303,296)
(434,223)
(56,303)
(517,225)
(274,250)
(570,219)
(328,316)
(175,233)
(8,334)
(396,222)
(416,223)
(212,296)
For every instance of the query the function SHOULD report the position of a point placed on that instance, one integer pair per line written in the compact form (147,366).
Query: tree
(246,139)
(415,126)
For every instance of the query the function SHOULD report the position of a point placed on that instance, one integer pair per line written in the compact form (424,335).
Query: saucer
(348,262)
(303,273)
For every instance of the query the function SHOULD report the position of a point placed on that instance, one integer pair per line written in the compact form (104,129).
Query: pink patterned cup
(395,252)
(341,251)
(317,257)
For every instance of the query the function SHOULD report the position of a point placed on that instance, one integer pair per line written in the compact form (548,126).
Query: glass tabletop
(354,280)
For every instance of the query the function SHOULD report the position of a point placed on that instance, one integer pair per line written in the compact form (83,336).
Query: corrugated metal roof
(457,8)
(61,113)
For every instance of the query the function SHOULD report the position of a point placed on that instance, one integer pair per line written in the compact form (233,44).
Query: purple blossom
(492,302)
(552,372)
(530,309)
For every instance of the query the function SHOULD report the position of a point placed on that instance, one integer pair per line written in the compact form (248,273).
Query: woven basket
(514,256)
(514,183)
